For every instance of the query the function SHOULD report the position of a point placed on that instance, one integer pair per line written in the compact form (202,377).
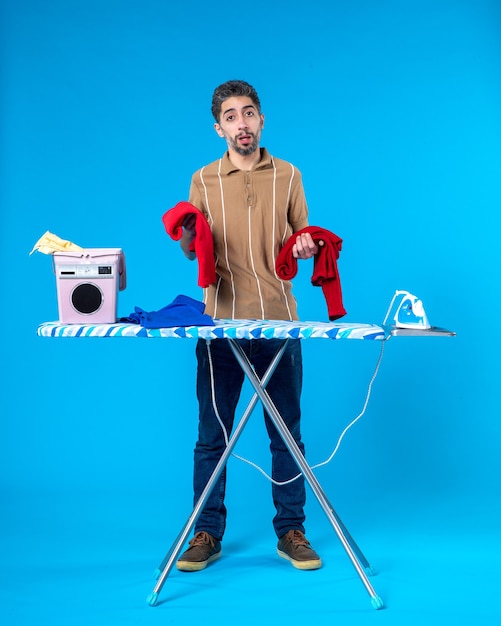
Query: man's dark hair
(231,89)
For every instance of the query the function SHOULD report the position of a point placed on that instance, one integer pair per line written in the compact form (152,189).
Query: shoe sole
(303,565)
(196,566)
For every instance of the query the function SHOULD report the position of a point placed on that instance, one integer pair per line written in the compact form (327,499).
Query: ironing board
(222,329)
(233,330)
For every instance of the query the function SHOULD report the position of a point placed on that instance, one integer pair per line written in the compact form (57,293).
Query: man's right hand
(189,232)
(189,224)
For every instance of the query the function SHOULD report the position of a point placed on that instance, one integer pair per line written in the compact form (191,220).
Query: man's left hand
(305,247)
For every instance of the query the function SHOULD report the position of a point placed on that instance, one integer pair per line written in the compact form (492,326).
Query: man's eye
(230,118)
(249,113)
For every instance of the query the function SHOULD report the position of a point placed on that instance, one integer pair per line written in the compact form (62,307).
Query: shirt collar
(227,166)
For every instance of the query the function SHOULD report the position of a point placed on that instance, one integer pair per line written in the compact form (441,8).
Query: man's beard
(244,150)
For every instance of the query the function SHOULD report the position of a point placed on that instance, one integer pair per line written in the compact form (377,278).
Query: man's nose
(242,122)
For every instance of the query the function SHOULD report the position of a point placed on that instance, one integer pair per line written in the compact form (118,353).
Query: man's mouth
(245,139)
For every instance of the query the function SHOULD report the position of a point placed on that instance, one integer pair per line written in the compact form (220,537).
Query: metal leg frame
(350,547)
(353,551)
(171,557)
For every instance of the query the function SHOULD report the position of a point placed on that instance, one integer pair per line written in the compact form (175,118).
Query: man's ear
(218,130)
(262,120)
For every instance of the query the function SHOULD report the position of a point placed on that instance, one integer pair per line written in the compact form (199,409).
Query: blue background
(391,112)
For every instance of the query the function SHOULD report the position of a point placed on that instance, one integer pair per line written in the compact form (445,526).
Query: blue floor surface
(86,559)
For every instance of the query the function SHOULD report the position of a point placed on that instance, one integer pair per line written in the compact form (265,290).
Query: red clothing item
(325,273)
(202,244)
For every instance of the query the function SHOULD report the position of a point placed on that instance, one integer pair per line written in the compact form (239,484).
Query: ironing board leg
(305,468)
(170,558)
(369,570)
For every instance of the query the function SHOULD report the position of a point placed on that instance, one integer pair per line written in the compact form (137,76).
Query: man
(253,203)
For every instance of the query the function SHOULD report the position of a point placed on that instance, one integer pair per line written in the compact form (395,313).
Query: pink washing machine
(88,282)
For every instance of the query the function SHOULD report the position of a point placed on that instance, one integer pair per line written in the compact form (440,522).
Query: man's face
(240,124)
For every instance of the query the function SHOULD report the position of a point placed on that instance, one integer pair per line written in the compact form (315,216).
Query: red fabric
(202,244)
(325,273)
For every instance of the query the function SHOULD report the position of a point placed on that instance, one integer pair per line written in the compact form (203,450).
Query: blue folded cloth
(182,311)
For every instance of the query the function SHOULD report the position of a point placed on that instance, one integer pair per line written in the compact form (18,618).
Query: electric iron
(406,311)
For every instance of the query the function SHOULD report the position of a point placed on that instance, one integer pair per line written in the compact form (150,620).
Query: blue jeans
(284,388)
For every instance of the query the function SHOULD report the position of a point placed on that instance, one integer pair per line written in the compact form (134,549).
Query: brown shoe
(203,549)
(294,547)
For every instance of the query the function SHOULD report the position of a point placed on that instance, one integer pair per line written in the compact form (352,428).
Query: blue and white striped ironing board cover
(222,329)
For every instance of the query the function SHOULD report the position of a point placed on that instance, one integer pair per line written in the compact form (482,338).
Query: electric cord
(340,439)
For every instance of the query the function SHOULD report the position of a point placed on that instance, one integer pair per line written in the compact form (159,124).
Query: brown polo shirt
(251,214)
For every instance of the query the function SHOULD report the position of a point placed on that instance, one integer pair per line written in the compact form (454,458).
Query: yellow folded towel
(49,243)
